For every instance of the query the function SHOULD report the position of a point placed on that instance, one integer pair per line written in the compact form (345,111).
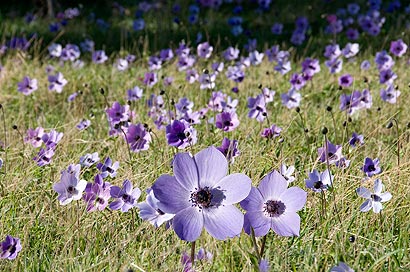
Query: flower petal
(366,206)
(363,192)
(188,224)
(172,196)
(59,188)
(377,206)
(185,171)
(258,221)
(288,224)
(253,202)
(385,197)
(127,186)
(115,191)
(117,204)
(212,166)
(236,187)
(223,222)
(272,185)
(378,186)
(294,199)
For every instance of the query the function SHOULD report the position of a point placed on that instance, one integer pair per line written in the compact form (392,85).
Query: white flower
(373,200)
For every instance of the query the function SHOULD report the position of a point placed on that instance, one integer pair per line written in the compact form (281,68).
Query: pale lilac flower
(108,168)
(185,62)
(341,267)
(34,136)
(231,53)
(356,140)
(184,105)
(84,124)
(297,81)
(126,197)
(10,247)
(387,76)
(44,156)
(235,73)
(149,211)
(89,159)
(217,101)
(72,96)
(55,50)
(365,65)
(310,66)
(166,54)
(52,138)
(97,194)
(57,82)
(207,81)
(390,94)
(383,60)
(332,51)
(350,50)
(227,121)
(319,182)
(332,154)
(201,195)
(191,76)
(255,57)
(257,108)
(134,94)
(287,172)
(70,52)
(291,99)
(283,67)
(268,94)
(264,266)
(373,200)
(99,57)
(204,50)
(150,79)
(273,206)
(154,63)
(271,132)
(121,64)
(334,65)
(218,67)
(27,85)
(69,188)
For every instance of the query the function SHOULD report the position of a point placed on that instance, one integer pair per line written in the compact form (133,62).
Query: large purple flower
(273,206)
(10,247)
(201,195)
(138,137)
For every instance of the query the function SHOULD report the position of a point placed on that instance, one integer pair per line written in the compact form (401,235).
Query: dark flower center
(109,169)
(100,200)
(274,208)
(227,123)
(371,168)
(160,212)
(11,248)
(71,190)
(126,198)
(318,184)
(375,197)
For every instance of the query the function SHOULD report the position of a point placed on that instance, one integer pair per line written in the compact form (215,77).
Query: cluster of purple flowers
(37,137)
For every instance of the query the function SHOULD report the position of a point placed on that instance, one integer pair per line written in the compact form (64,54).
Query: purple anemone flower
(138,137)
(357,139)
(271,132)
(201,195)
(10,247)
(287,172)
(84,124)
(52,138)
(204,50)
(230,149)
(57,82)
(371,167)
(97,194)
(44,156)
(108,168)
(387,77)
(149,211)
(345,80)
(291,99)
(126,197)
(273,206)
(227,121)
(231,53)
(350,50)
(390,94)
(69,188)
(150,79)
(257,107)
(373,200)
(341,267)
(99,57)
(180,134)
(34,136)
(398,48)
(27,85)
(333,154)
(319,182)
(89,159)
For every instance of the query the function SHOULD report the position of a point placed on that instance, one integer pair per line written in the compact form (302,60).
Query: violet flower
(273,206)
(126,197)
(138,137)
(345,80)
(204,50)
(398,48)
(52,138)
(201,195)
(341,267)
(180,134)
(69,188)
(371,167)
(149,211)
(99,57)
(108,168)
(134,94)
(271,132)
(257,108)
(356,140)
(34,136)
(150,79)
(287,172)
(332,154)
(44,156)
(374,200)
(390,94)
(291,99)
(57,82)
(84,124)
(227,121)
(10,247)
(27,85)
(89,159)
(319,182)
(230,149)
(97,194)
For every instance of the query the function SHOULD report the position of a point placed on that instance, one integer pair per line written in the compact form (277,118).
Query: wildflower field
(219,135)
